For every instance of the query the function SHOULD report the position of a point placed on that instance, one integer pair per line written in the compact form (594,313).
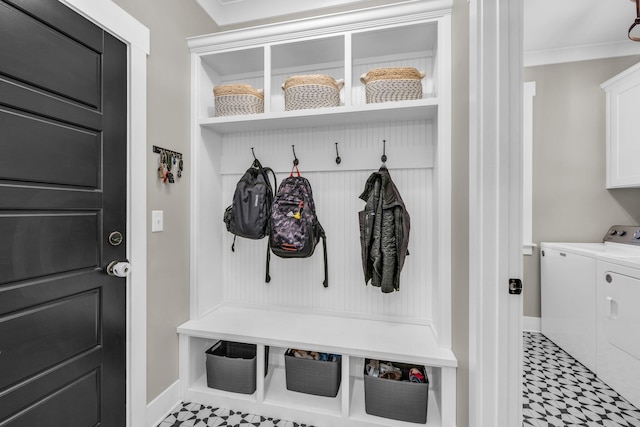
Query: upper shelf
(344,47)
(421,109)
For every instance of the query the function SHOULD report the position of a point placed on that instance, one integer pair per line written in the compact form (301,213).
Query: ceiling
(232,12)
(554,30)
(572,30)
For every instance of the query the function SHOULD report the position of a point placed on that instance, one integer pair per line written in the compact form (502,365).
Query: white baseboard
(161,406)
(531,324)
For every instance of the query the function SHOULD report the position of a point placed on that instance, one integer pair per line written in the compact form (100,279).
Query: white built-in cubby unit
(229,297)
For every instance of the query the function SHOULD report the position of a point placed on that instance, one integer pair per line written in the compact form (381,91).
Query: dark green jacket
(384,232)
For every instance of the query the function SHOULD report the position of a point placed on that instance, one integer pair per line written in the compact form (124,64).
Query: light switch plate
(157,221)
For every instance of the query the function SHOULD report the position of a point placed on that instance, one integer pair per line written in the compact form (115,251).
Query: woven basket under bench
(237,99)
(392,84)
(311,91)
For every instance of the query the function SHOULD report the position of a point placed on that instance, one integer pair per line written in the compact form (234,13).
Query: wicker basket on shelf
(311,91)
(236,99)
(392,84)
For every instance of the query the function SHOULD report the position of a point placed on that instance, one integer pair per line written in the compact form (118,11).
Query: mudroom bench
(353,338)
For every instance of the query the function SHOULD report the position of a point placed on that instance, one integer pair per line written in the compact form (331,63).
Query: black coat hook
(384,151)
(338,159)
(295,159)
(256,163)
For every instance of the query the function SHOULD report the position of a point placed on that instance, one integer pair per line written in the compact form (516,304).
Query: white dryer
(590,296)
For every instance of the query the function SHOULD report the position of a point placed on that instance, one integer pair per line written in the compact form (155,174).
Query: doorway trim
(495,212)
(136,36)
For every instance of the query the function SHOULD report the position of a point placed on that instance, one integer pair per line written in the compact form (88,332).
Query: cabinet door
(623,131)
(568,297)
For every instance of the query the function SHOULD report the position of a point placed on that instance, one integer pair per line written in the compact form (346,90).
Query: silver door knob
(119,268)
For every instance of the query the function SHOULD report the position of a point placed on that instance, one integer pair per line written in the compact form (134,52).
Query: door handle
(118,268)
(612,309)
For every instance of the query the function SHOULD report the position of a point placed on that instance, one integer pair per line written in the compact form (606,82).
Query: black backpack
(249,214)
(294,227)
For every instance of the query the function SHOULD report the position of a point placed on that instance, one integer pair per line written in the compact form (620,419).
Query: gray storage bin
(231,366)
(318,377)
(399,400)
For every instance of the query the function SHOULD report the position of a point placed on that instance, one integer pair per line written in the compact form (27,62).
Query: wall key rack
(169,161)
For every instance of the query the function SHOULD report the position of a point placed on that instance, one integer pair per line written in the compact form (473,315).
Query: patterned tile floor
(559,391)
(196,415)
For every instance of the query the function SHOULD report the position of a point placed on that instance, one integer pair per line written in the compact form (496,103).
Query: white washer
(590,296)
(618,326)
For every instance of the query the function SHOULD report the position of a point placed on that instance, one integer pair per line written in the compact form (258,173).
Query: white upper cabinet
(623,128)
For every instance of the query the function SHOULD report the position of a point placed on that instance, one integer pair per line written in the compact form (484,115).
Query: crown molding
(581,53)
(328,24)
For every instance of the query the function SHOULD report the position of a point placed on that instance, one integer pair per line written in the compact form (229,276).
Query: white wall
(460,203)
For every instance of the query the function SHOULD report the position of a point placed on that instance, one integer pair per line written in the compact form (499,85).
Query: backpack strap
(275,180)
(326,267)
(267,277)
(295,167)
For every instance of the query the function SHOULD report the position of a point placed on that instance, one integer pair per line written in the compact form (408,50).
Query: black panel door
(63,118)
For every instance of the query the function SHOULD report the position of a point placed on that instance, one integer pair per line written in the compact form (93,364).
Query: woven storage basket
(311,91)
(236,99)
(392,84)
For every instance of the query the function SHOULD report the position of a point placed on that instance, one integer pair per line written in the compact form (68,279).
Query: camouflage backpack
(294,228)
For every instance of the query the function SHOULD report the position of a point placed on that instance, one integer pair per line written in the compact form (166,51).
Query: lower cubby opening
(277,394)
(357,398)
(357,410)
(198,373)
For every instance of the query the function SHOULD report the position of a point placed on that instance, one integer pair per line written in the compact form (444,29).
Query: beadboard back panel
(409,145)
(296,284)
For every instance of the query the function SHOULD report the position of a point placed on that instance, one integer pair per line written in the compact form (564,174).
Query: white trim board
(531,324)
(116,21)
(580,53)
(163,404)
(495,212)
(110,17)
(529,91)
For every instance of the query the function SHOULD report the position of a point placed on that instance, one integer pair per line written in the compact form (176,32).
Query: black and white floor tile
(195,415)
(559,391)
